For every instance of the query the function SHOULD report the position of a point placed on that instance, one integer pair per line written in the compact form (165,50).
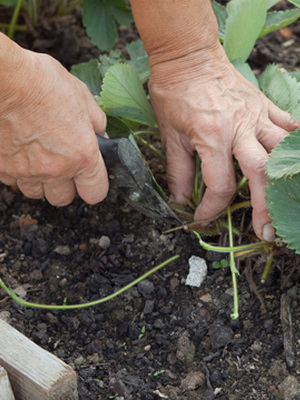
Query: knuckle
(257,167)
(224,190)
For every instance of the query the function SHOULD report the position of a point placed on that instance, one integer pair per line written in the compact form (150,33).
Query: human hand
(208,107)
(48,120)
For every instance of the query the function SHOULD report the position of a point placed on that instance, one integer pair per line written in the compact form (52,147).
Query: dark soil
(161,339)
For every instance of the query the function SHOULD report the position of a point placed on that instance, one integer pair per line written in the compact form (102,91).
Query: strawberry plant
(241,23)
(118,85)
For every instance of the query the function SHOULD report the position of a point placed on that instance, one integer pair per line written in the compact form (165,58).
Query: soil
(161,339)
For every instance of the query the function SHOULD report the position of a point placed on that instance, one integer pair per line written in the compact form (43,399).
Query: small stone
(206,298)
(5,316)
(193,380)
(289,387)
(104,242)
(185,348)
(174,282)
(149,306)
(197,271)
(220,334)
(62,250)
(145,288)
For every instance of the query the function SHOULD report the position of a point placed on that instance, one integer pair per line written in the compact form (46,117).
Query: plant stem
(241,183)
(63,9)
(18,300)
(233,269)
(230,249)
(267,268)
(21,28)
(14,18)
(151,147)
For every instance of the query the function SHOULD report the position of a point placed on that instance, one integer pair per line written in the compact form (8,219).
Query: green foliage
(245,21)
(123,95)
(120,90)
(283,191)
(8,3)
(295,2)
(221,15)
(90,74)
(279,19)
(100,18)
(284,161)
(282,88)
(220,264)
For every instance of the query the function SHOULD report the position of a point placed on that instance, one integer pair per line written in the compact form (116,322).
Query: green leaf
(116,127)
(272,3)
(8,3)
(89,73)
(100,18)
(106,61)
(281,88)
(283,203)
(295,2)
(284,160)
(246,71)
(123,95)
(245,21)
(220,264)
(279,19)
(296,75)
(221,15)
(139,59)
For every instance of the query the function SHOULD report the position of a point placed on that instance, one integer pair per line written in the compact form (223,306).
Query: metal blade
(130,177)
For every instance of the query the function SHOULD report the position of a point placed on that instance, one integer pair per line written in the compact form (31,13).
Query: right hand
(208,107)
(48,120)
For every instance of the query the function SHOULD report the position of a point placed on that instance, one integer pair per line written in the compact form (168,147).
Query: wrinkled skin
(213,110)
(48,121)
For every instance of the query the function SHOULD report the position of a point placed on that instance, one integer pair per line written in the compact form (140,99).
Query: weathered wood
(6,392)
(34,373)
(288,333)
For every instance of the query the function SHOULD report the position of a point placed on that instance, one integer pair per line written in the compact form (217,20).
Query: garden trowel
(130,177)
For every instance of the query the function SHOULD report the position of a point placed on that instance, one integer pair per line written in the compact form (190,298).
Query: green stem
(267,268)
(65,10)
(230,249)
(233,269)
(151,147)
(14,18)
(197,191)
(21,28)
(241,183)
(17,299)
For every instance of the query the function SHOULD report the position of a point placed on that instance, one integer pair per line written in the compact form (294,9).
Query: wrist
(175,28)
(203,64)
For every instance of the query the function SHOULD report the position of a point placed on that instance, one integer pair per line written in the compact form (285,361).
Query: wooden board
(34,373)
(6,392)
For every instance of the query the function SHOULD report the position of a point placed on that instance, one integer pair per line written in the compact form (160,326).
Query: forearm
(175,28)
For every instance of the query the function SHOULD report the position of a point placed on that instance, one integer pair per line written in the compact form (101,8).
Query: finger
(282,118)
(92,184)
(59,193)
(271,135)
(252,159)
(180,170)
(98,118)
(8,180)
(219,177)
(31,188)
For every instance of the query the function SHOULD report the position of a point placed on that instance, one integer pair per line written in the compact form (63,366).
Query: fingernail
(268,233)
